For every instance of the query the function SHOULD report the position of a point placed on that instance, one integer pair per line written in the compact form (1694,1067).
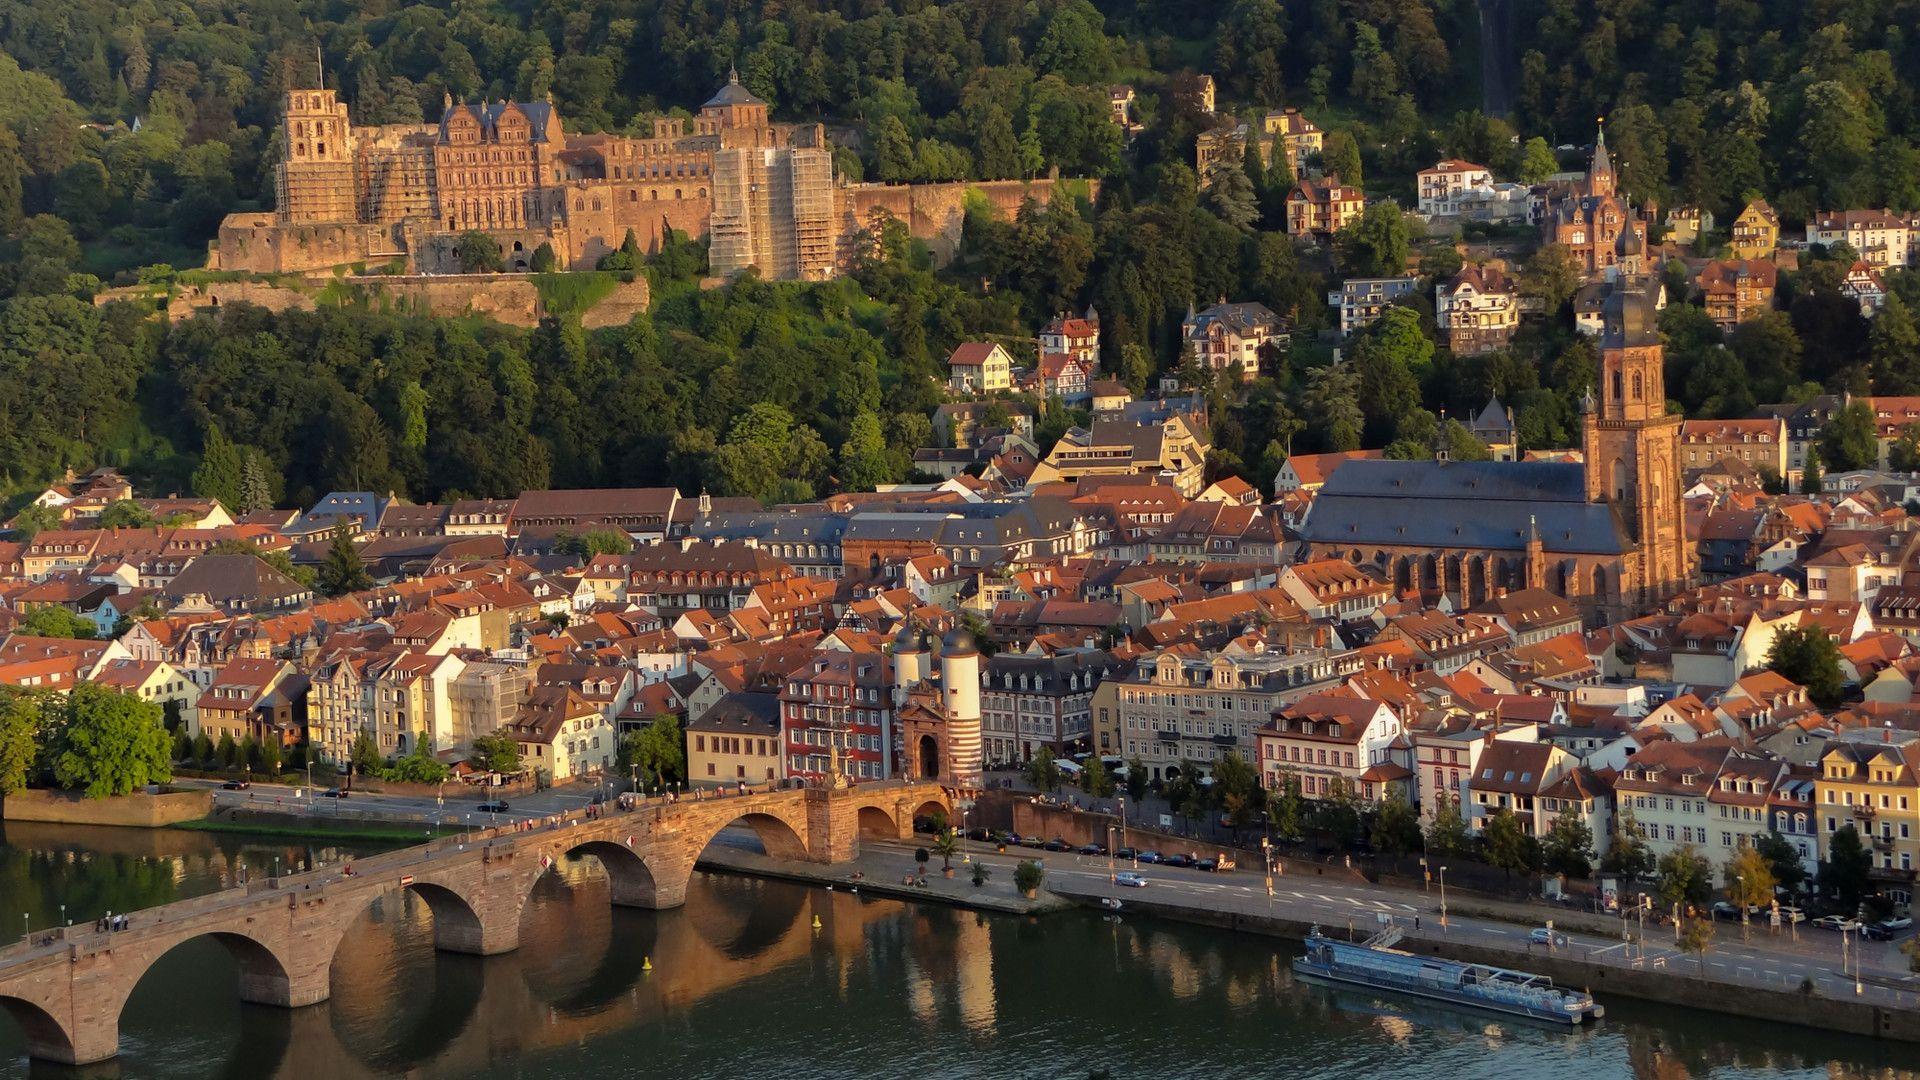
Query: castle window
(1638,389)
(633,196)
(1617,393)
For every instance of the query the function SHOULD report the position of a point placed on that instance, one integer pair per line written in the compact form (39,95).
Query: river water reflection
(744,985)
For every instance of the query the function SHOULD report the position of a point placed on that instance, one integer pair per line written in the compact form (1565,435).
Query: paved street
(373,806)
(1777,963)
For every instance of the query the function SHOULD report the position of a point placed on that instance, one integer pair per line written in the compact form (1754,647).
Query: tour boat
(1376,964)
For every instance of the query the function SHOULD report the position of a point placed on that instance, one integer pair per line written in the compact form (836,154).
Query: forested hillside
(128,129)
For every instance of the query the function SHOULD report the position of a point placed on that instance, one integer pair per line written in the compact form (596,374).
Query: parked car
(1836,922)
(1092,849)
(498,806)
(1057,844)
(235,785)
(1723,909)
(1792,915)
(1209,865)
(1130,879)
(1032,842)
(979,833)
(333,793)
(1182,861)
(1148,857)
(1543,936)
(1124,853)
(1886,929)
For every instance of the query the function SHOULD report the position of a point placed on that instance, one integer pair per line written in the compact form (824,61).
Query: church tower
(1600,178)
(1632,444)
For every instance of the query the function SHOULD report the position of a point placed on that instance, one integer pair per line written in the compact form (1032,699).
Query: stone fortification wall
(936,213)
(513,299)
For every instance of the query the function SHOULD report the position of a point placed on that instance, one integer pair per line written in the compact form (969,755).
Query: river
(743,984)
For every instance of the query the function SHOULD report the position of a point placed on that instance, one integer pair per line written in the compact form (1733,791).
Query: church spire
(1600,178)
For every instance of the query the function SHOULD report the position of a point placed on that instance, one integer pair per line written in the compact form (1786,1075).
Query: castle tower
(314,181)
(960,696)
(910,663)
(1632,448)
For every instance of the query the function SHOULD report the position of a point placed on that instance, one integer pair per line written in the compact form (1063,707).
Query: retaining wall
(138,811)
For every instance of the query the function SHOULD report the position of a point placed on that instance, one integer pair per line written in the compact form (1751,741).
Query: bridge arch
(265,977)
(876,823)
(46,1037)
(931,808)
(782,839)
(630,880)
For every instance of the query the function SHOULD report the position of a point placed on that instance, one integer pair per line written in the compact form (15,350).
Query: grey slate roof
(1467,504)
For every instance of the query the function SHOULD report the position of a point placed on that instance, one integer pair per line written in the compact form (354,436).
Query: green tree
(1893,348)
(1341,156)
(1136,780)
(1808,656)
(34,519)
(1375,245)
(1338,814)
(1848,441)
(1396,826)
(1094,779)
(1844,876)
(863,456)
(364,756)
(1027,877)
(603,541)
(1286,808)
(203,751)
(418,767)
(56,622)
(1684,878)
(1043,772)
(478,253)
(1628,855)
(1811,482)
(1508,846)
(659,750)
(1696,937)
(1537,161)
(1447,834)
(543,261)
(1568,848)
(125,514)
(1552,275)
(111,743)
(498,753)
(343,571)
(257,483)
(1749,879)
(222,465)
(1783,859)
(22,716)
(1230,195)
(946,845)
(1903,455)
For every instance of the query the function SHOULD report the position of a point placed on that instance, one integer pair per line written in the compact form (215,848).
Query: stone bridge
(67,987)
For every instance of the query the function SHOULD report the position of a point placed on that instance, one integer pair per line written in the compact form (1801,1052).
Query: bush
(1027,876)
(980,874)
(920,856)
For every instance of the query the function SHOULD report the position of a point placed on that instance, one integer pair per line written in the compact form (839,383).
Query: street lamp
(1740,887)
(1443,896)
